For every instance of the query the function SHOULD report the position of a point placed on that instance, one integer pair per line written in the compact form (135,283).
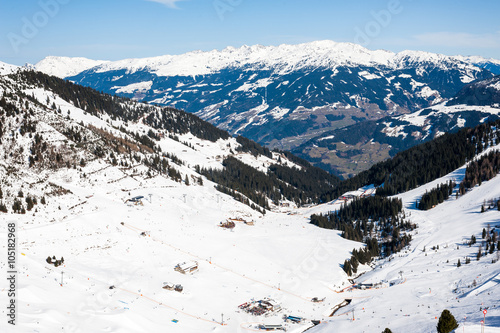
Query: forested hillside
(425,162)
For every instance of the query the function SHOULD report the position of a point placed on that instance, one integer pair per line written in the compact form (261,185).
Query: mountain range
(284,96)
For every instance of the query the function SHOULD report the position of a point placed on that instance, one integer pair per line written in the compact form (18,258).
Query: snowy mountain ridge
(66,66)
(280,60)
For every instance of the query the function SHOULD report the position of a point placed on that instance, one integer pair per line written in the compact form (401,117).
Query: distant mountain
(493,65)
(355,148)
(64,66)
(484,93)
(281,96)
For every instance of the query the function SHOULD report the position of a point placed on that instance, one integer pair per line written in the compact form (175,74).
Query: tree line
(480,170)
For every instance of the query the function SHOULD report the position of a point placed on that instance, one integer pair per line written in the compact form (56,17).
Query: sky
(118,29)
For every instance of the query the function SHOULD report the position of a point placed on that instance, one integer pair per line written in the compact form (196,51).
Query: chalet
(170,286)
(188,267)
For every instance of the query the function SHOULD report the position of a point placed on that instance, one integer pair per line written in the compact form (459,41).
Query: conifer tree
(447,322)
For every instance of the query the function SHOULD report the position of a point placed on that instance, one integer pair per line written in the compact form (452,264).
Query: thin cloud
(460,39)
(168,3)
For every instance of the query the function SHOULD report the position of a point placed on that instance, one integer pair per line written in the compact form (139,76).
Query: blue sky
(119,29)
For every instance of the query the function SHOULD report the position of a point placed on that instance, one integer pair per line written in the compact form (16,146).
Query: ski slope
(281,257)
(432,282)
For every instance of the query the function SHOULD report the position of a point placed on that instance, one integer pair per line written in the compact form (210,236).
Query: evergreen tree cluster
(243,199)
(363,256)
(377,221)
(490,204)
(254,184)
(301,186)
(180,122)
(436,195)
(483,169)
(162,166)
(249,146)
(491,240)
(53,261)
(84,98)
(312,181)
(360,209)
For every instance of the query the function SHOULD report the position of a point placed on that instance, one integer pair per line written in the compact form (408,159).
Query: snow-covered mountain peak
(66,66)
(478,59)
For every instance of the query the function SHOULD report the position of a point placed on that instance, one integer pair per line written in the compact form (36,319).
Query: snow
(6,69)
(478,59)
(250,262)
(246,87)
(134,87)
(417,119)
(282,59)
(278,112)
(327,138)
(107,241)
(63,67)
(369,76)
(394,131)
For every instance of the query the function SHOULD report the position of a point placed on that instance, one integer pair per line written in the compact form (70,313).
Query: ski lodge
(188,267)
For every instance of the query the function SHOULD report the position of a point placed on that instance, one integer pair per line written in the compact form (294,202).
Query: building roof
(185,266)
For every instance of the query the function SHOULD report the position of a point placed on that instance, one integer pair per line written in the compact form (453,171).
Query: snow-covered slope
(490,64)
(66,66)
(432,280)
(7,68)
